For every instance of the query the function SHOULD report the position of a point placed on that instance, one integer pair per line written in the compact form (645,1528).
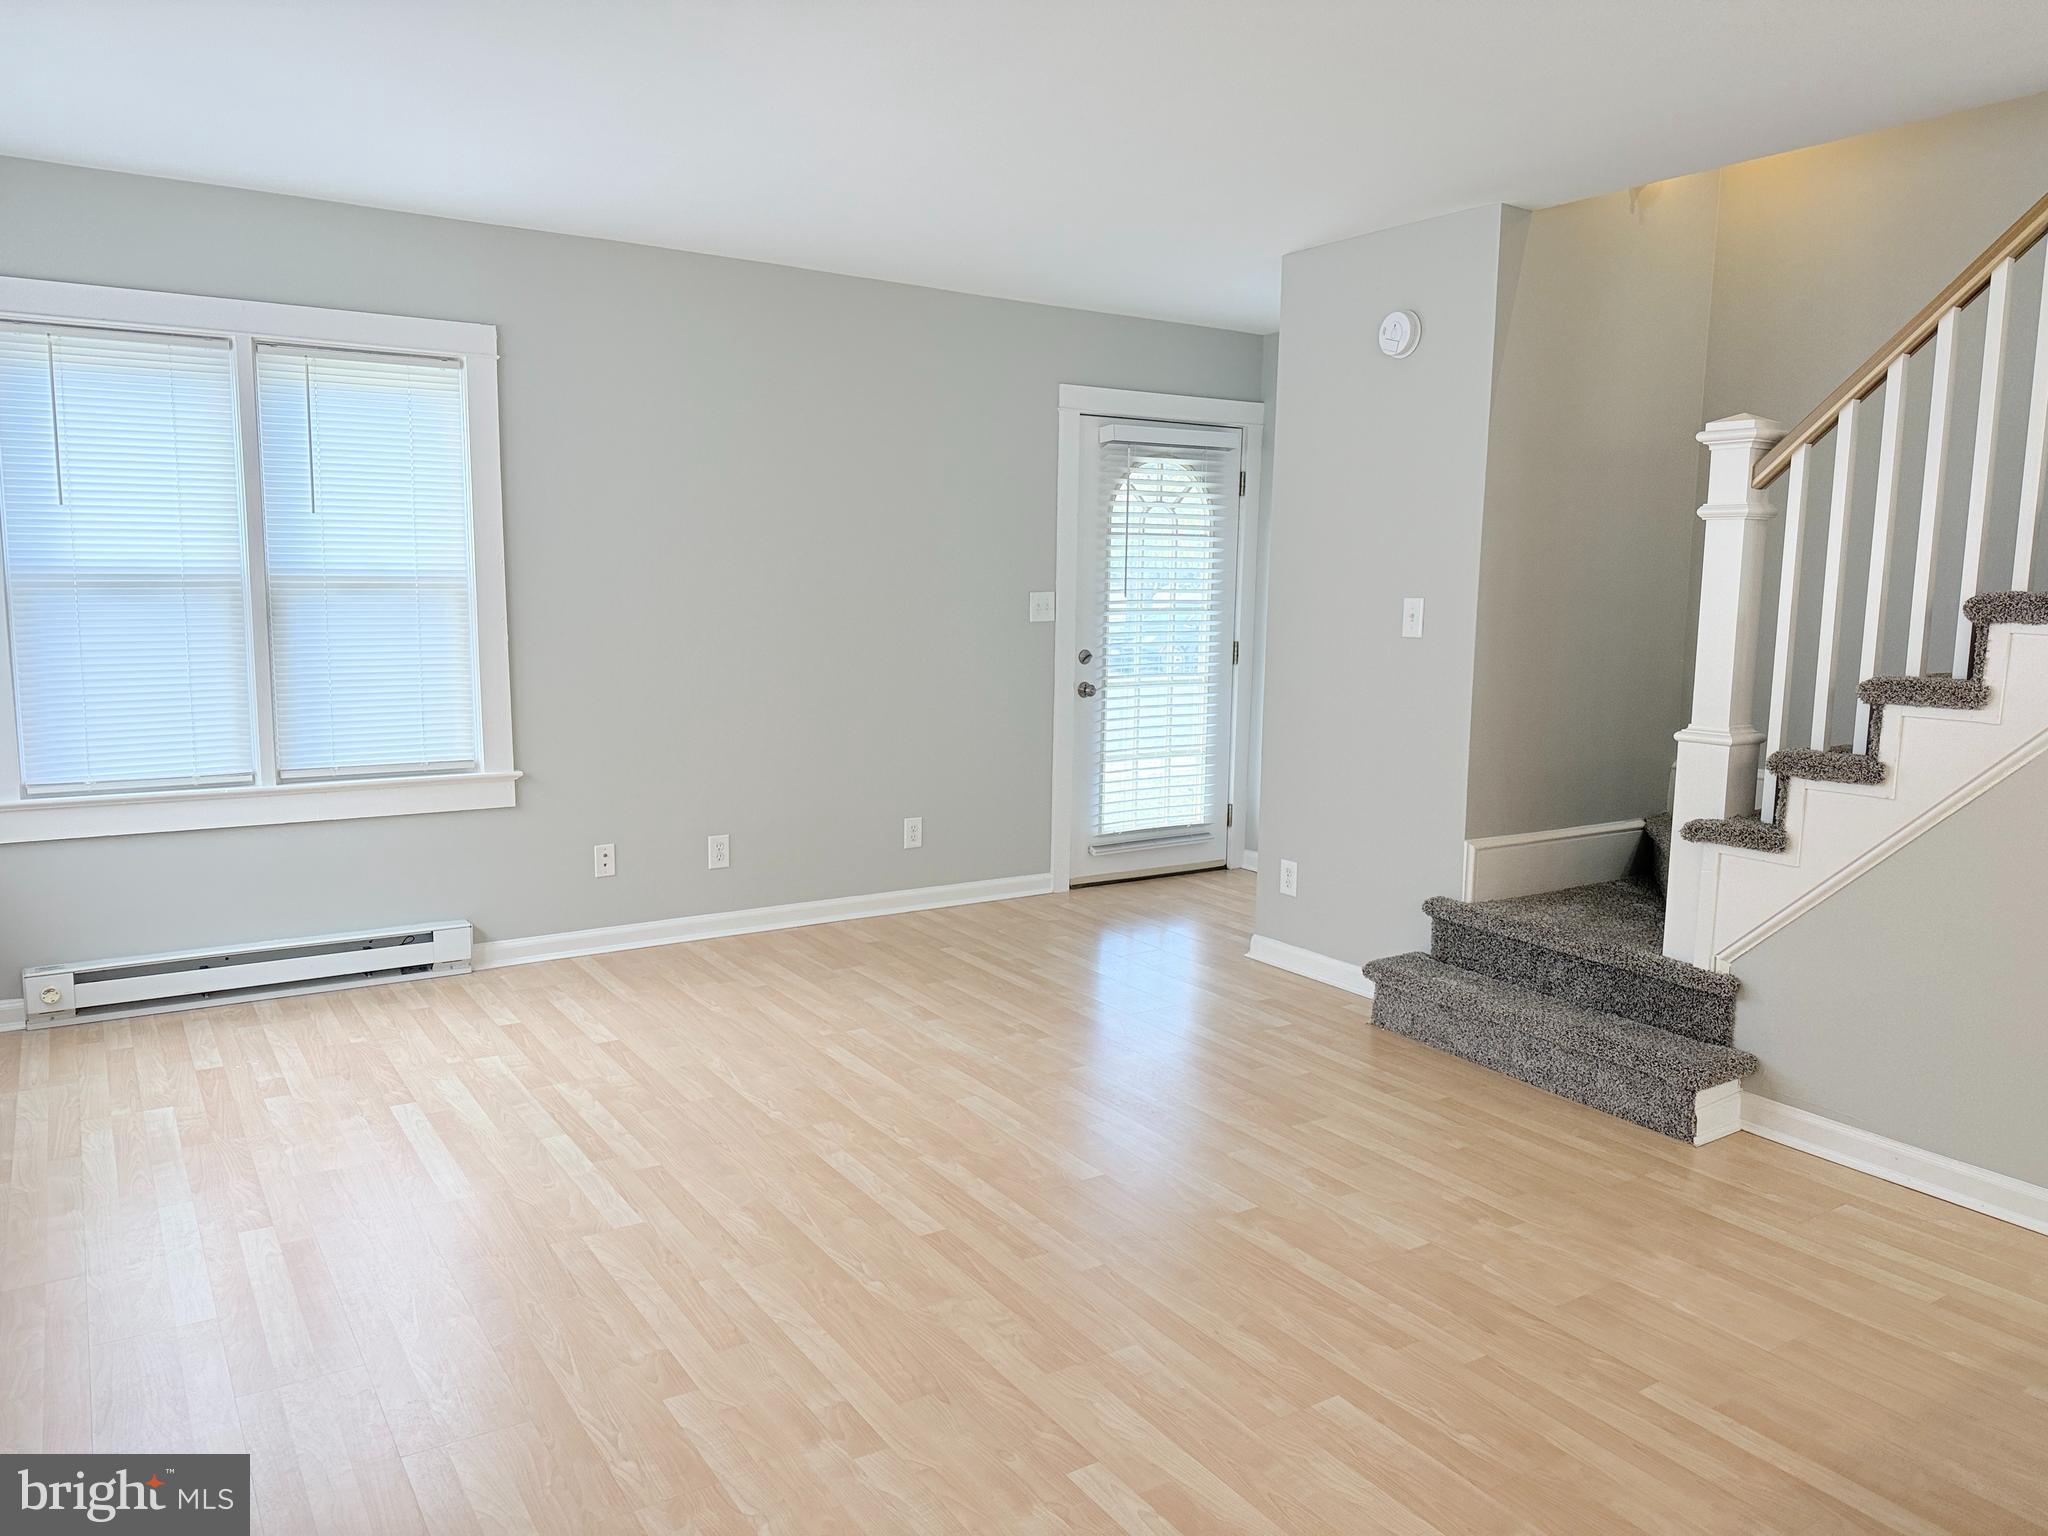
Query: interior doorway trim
(1077,401)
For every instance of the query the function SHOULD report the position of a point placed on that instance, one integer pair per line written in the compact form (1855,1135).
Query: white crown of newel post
(1734,444)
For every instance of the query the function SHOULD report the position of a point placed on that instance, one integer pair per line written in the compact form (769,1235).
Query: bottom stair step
(1638,1072)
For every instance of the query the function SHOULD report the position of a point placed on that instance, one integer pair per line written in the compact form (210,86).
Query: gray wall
(1586,564)
(1911,1003)
(770,535)
(1379,492)
(1822,255)
(1824,252)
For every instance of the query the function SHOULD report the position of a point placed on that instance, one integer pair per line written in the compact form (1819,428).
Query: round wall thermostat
(1400,332)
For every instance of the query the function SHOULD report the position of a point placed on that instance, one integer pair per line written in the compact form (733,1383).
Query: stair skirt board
(1525,863)
(1993,1194)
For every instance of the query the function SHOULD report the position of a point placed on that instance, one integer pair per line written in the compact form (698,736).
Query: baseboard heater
(199,978)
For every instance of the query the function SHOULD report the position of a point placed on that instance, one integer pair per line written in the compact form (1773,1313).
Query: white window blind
(367,556)
(126,561)
(1164,613)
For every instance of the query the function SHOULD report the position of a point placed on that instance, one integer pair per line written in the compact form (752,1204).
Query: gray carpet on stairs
(2007,608)
(1751,832)
(1989,608)
(1940,692)
(1570,991)
(1843,766)
(1597,946)
(1834,766)
(1625,1068)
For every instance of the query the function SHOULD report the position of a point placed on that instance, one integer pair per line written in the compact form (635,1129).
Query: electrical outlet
(718,850)
(1411,618)
(603,865)
(1287,877)
(1041,607)
(913,831)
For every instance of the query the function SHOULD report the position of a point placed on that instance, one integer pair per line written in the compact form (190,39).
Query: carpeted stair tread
(1618,924)
(1657,829)
(1593,946)
(1670,1058)
(1834,766)
(1939,692)
(1633,1071)
(2007,608)
(1750,832)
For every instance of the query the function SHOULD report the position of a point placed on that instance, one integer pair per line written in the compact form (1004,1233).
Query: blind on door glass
(126,562)
(366,526)
(1166,523)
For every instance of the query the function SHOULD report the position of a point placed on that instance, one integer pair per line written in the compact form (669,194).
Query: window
(1168,534)
(251,564)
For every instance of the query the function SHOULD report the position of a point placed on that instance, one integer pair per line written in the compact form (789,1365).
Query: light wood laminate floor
(1042,1216)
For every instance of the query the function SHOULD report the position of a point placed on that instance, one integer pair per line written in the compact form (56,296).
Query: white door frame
(1076,401)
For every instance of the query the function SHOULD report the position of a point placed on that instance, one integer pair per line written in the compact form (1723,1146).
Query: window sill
(192,810)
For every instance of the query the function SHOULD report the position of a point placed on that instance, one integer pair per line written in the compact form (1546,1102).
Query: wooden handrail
(1970,282)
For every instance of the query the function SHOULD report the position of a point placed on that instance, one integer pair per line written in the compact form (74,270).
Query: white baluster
(1717,752)
(1891,440)
(1791,568)
(1940,415)
(1997,307)
(1840,504)
(2031,478)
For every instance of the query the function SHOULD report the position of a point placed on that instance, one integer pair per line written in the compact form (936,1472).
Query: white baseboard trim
(13,1014)
(1964,1184)
(719,925)
(1306,962)
(1525,863)
(1249,859)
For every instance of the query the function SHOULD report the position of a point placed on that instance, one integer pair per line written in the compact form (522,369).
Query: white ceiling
(1154,157)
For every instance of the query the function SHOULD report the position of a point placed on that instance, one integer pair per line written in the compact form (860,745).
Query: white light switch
(1411,618)
(1041,607)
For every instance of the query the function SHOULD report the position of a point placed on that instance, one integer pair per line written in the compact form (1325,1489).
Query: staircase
(1571,991)
(1618,995)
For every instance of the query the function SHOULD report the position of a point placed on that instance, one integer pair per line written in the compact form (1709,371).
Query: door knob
(1086,690)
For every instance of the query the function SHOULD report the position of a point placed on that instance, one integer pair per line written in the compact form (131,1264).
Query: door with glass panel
(1155,642)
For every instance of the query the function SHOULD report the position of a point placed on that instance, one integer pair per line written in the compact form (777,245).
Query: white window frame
(267,802)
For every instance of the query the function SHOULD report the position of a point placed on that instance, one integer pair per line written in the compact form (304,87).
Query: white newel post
(1717,753)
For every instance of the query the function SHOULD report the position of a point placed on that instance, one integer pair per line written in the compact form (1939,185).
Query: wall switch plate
(603,865)
(1041,607)
(1411,618)
(1287,877)
(913,831)
(718,850)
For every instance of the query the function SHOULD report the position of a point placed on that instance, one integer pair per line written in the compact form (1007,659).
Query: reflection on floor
(1048,1215)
